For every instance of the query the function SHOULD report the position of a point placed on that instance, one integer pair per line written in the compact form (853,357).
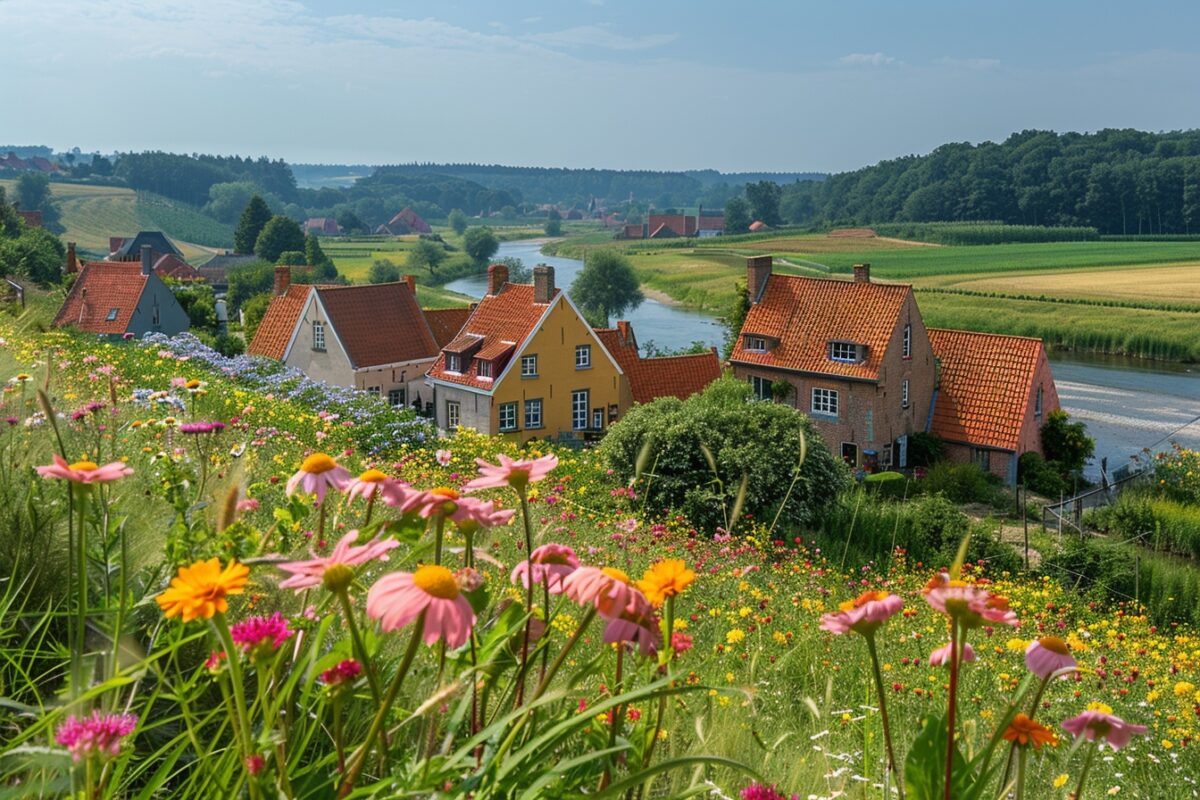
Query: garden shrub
(759,440)
(963,483)
(925,449)
(1040,476)
(887,484)
(1177,474)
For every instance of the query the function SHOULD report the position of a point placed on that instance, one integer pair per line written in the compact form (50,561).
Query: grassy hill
(91,214)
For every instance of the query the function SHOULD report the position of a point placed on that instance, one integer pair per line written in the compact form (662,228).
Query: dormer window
(845,352)
(112,315)
(483,368)
(453,362)
(756,344)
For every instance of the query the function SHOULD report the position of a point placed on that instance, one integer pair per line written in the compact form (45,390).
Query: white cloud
(970,63)
(868,60)
(602,36)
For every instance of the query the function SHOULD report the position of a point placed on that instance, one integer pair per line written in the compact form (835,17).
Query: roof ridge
(1037,339)
(849,280)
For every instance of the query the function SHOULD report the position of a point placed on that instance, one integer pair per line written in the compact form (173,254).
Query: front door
(850,453)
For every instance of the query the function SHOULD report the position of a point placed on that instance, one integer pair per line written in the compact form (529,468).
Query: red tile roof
(275,331)
(803,315)
(172,266)
(446,323)
(101,287)
(378,324)
(505,318)
(33,219)
(985,381)
(667,376)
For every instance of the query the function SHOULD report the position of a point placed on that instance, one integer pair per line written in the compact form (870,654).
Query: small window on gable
(756,344)
(1037,406)
(847,352)
(318,335)
(906,352)
(583,356)
(453,363)
(112,315)
(484,368)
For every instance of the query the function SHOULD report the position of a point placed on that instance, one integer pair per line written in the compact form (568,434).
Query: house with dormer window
(119,298)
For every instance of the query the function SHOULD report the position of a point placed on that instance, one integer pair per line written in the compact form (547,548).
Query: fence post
(1025,522)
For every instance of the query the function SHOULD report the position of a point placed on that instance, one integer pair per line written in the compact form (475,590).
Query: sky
(734,86)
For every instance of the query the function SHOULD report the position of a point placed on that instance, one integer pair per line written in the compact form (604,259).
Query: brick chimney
(411,280)
(283,279)
(625,333)
(862,273)
(72,261)
(758,269)
(543,284)
(147,259)
(497,277)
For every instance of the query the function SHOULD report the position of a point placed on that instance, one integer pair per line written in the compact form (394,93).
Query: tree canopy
(425,254)
(33,194)
(606,287)
(737,216)
(278,235)
(480,244)
(383,271)
(255,217)
(457,220)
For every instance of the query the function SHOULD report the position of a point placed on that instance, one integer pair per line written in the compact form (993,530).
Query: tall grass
(983,233)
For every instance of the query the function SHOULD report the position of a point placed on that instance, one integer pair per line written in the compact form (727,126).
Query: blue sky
(604,83)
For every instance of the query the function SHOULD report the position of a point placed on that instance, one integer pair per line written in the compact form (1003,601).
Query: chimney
(147,259)
(543,284)
(283,279)
(625,333)
(758,269)
(862,273)
(497,277)
(411,281)
(72,262)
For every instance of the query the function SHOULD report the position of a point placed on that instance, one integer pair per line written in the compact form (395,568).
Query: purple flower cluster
(760,791)
(202,427)
(97,735)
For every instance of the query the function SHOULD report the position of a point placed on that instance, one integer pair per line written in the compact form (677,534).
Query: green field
(91,214)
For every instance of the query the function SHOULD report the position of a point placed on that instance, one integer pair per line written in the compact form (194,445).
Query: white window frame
(453,414)
(760,387)
(399,395)
(580,408)
(318,335)
(374,391)
(583,356)
(483,368)
(112,314)
(904,393)
(533,414)
(598,419)
(849,352)
(529,366)
(825,401)
(508,410)
(906,348)
(756,344)
(453,363)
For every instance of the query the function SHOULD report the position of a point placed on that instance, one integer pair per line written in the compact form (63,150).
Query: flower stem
(953,702)
(528,596)
(883,713)
(606,779)
(81,588)
(238,687)
(360,649)
(1087,766)
(1021,756)
(439,535)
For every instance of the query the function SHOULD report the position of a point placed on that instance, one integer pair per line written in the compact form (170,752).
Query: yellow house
(527,365)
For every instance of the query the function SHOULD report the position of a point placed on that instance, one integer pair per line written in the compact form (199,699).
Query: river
(1127,404)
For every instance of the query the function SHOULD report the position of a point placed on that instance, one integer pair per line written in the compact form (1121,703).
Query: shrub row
(983,233)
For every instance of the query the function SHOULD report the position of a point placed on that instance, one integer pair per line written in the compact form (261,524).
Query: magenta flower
(462,511)
(942,655)
(1098,722)
(549,564)
(317,475)
(97,735)
(608,590)
(398,598)
(863,614)
(201,427)
(1048,655)
(84,471)
(970,605)
(443,457)
(261,632)
(760,791)
(344,672)
(517,474)
(335,570)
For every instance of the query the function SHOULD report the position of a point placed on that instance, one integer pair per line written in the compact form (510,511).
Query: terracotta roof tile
(446,323)
(101,288)
(379,323)
(985,381)
(805,314)
(172,266)
(509,316)
(668,376)
(275,331)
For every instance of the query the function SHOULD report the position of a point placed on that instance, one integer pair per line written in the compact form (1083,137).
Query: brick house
(993,395)
(115,298)
(322,226)
(526,365)
(369,337)
(854,355)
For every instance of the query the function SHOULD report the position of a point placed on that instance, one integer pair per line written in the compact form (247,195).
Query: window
(374,391)
(396,397)
(906,351)
(453,362)
(843,351)
(761,387)
(583,356)
(112,314)
(825,401)
(156,316)
(1037,404)
(886,459)
(453,414)
(904,393)
(508,416)
(318,335)
(533,414)
(756,344)
(484,368)
(579,410)
(529,366)
(598,419)
(982,459)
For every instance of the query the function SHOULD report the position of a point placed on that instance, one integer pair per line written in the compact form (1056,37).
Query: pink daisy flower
(371,483)
(608,590)
(336,569)
(397,599)
(317,475)
(1099,723)
(970,605)
(97,735)
(517,474)
(261,632)
(549,564)
(1048,655)
(635,624)
(443,457)
(942,655)
(84,471)
(863,614)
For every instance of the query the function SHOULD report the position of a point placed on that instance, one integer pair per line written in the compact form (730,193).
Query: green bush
(963,483)
(925,449)
(928,529)
(761,441)
(1040,476)
(982,233)
(887,484)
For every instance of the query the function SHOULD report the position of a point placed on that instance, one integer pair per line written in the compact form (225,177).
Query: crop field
(354,257)
(1176,284)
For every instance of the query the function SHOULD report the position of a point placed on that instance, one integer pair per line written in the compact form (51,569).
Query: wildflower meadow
(220,579)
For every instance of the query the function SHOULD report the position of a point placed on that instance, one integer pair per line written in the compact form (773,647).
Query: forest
(1121,182)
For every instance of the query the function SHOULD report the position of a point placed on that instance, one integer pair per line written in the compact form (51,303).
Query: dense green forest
(1117,181)
(191,178)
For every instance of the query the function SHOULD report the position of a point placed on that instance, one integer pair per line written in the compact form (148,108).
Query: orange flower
(667,578)
(1025,731)
(199,591)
